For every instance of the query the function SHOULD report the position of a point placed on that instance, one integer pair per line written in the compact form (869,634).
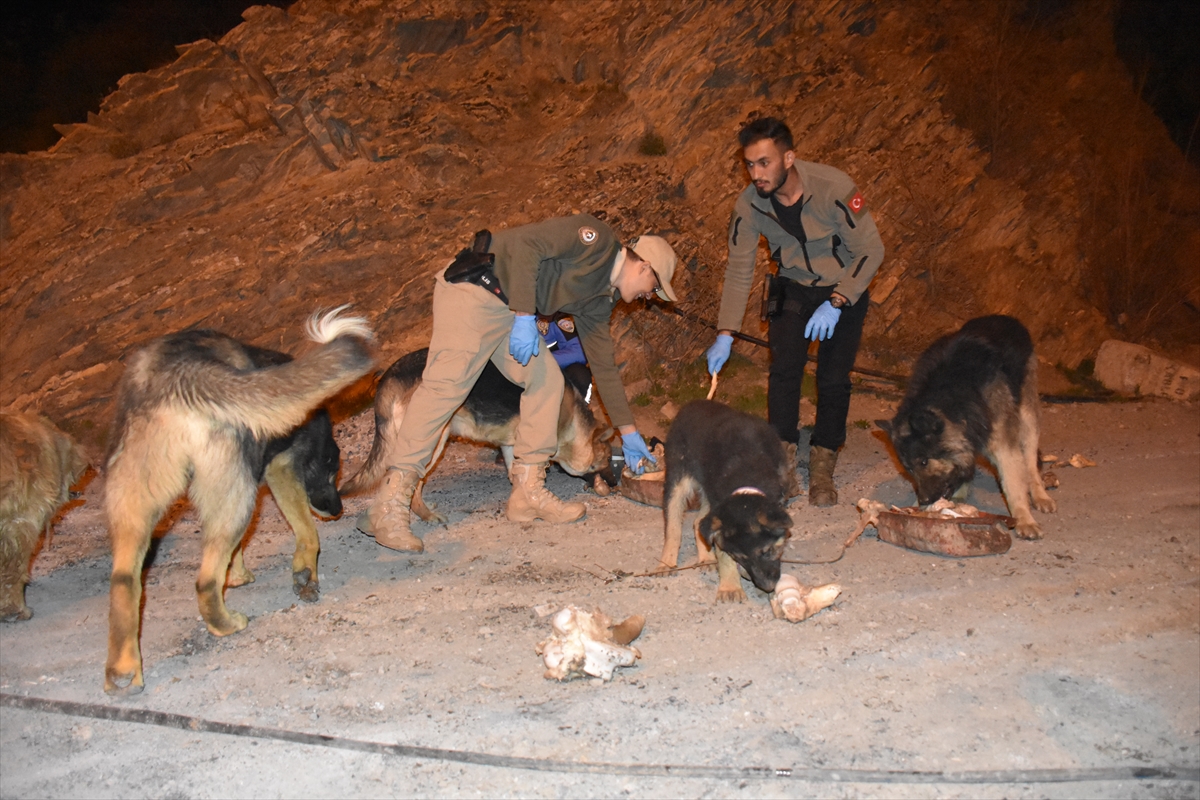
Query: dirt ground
(1078,651)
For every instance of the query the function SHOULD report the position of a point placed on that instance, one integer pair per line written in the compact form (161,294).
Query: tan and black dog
(38,465)
(736,464)
(974,393)
(195,412)
(489,415)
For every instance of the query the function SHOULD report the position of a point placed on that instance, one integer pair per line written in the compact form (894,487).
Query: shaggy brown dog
(38,465)
(974,393)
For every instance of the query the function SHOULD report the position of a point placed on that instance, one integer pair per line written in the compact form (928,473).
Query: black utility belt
(774,301)
(476,265)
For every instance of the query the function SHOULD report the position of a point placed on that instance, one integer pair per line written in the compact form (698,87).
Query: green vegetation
(752,401)
(1083,380)
(740,385)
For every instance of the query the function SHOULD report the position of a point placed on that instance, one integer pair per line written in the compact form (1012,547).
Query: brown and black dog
(197,411)
(38,465)
(736,464)
(974,393)
(489,415)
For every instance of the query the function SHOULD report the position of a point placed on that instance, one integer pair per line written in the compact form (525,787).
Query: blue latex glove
(820,324)
(523,342)
(718,354)
(635,451)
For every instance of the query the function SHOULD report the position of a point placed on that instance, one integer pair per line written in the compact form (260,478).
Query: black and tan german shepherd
(736,464)
(489,415)
(974,393)
(200,412)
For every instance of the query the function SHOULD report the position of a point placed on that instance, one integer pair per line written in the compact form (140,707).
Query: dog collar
(750,490)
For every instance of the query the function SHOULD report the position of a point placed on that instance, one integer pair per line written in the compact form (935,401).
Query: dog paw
(430,514)
(306,586)
(237,621)
(16,614)
(1028,530)
(731,595)
(239,578)
(1045,504)
(122,684)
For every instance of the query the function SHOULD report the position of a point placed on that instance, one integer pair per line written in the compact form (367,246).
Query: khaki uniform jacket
(841,249)
(565,264)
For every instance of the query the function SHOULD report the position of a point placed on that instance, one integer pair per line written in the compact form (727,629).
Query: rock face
(342,151)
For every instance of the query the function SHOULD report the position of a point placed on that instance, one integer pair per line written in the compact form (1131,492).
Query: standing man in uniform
(826,249)
(571,264)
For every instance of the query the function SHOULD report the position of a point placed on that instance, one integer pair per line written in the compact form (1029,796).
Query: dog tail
(377,460)
(372,469)
(392,394)
(275,400)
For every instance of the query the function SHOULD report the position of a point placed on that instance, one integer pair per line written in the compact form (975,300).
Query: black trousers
(835,358)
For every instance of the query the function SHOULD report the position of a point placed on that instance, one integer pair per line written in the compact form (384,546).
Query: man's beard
(774,186)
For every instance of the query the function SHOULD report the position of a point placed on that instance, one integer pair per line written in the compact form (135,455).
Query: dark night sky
(59,58)
(1159,41)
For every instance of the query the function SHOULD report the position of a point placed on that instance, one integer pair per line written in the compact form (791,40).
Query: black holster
(474,265)
(772,299)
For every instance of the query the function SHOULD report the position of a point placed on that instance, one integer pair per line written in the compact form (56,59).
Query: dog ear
(775,522)
(710,530)
(927,423)
(774,519)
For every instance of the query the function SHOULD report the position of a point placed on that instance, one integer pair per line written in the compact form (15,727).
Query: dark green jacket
(842,247)
(565,264)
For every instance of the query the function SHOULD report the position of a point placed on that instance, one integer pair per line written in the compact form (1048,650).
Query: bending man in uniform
(571,264)
(826,249)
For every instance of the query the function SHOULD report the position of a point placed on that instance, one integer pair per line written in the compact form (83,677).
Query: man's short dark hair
(766,128)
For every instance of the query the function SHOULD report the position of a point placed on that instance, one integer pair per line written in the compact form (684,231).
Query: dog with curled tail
(198,411)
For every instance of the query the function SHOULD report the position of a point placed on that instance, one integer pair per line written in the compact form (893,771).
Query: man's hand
(820,324)
(523,342)
(635,451)
(718,354)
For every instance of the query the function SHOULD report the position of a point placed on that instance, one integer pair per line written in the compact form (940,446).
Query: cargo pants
(470,327)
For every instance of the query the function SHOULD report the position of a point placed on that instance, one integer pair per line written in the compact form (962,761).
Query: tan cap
(655,251)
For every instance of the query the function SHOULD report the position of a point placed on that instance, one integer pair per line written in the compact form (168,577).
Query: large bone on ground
(796,602)
(869,510)
(587,643)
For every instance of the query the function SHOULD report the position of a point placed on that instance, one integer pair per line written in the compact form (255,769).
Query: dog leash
(620,574)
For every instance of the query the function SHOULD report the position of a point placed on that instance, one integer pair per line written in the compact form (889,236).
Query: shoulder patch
(856,203)
(587,235)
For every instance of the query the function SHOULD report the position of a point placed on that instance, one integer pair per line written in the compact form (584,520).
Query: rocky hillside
(341,151)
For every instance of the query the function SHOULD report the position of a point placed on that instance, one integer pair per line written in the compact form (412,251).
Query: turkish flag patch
(856,203)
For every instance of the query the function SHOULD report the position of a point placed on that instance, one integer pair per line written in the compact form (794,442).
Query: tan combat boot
(389,519)
(821,462)
(531,499)
(793,484)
